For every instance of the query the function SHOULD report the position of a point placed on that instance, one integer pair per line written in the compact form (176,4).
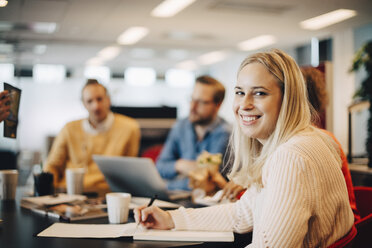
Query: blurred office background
(49,47)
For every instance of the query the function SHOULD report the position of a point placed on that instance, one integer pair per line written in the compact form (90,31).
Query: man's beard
(200,120)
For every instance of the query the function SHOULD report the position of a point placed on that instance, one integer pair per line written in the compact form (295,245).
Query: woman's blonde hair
(249,155)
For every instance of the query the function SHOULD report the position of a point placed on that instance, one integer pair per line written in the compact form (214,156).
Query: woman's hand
(153,217)
(231,191)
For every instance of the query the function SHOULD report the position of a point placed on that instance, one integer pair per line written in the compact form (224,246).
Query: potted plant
(363,58)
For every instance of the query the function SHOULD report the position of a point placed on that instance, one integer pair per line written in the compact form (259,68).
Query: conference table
(20,227)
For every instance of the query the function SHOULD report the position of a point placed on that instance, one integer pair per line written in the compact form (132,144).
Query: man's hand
(4,105)
(184,167)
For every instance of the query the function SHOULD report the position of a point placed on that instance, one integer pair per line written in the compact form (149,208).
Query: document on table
(67,230)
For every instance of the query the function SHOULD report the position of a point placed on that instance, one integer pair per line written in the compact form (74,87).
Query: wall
(45,108)
(361,35)
(343,83)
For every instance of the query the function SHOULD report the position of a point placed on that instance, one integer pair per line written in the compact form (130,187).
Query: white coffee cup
(75,181)
(118,207)
(8,184)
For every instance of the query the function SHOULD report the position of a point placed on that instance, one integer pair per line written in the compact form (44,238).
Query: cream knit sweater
(303,202)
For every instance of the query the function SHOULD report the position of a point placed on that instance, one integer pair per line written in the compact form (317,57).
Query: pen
(148,205)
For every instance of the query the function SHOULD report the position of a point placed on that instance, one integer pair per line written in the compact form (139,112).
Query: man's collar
(211,126)
(100,127)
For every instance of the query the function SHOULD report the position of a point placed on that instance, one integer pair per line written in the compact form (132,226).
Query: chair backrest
(152,152)
(347,241)
(363,197)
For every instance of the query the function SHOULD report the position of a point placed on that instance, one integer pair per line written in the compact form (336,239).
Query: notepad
(67,230)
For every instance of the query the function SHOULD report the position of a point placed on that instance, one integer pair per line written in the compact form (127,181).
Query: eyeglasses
(201,102)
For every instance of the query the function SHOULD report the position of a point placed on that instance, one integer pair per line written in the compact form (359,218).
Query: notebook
(67,230)
(137,176)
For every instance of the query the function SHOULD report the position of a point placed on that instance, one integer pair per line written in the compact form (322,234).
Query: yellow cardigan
(73,147)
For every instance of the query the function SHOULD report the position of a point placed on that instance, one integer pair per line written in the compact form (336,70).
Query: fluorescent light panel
(169,8)
(109,52)
(189,65)
(140,76)
(95,61)
(6,72)
(3,3)
(328,19)
(257,42)
(50,74)
(101,73)
(179,78)
(212,57)
(44,27)
(132,35)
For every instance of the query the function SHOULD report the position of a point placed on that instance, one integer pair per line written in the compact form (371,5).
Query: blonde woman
(297,195)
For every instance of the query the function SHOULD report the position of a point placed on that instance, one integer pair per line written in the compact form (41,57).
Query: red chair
(363,197)
(347,241)
(152,152)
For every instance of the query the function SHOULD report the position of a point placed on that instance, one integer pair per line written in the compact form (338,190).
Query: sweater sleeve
(237,217)
(285,205)
(133,141)
(57,158)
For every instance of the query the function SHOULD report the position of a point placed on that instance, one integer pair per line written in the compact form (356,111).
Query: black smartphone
(11,123)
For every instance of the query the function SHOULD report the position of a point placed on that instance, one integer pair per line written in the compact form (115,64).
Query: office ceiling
(84,27)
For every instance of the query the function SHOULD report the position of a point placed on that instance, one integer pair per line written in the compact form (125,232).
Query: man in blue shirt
(202,130)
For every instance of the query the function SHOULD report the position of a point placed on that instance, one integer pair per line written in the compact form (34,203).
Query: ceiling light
(212,57)
(132,35)
(327,19)
(46,73)
(189,65)
(44,27)
(6,72)
(257,42)
(3,3)
(95,61)
(169,8)
(140,76)
(179,78)
(109,53)
(101,73)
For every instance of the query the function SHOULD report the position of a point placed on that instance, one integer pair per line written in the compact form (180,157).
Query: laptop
(137,176)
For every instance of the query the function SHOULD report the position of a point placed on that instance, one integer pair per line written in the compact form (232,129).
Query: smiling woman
(296,194)
(258,98)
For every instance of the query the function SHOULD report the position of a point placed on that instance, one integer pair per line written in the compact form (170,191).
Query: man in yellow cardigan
(102,133)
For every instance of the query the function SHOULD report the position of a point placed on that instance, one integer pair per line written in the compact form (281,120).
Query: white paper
(172,235)
(68,230)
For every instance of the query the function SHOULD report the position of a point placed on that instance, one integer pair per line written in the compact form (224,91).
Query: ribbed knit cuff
(178,217)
